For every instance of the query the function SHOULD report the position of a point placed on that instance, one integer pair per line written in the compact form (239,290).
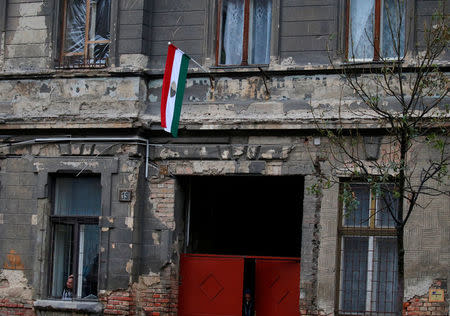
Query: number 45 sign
(125,195)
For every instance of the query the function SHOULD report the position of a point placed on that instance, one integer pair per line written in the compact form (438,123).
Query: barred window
(75,237)
(368,252)
(85,33)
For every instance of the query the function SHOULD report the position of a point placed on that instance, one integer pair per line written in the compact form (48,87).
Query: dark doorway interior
(246,215)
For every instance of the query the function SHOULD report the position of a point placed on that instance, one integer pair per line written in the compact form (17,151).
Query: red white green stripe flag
(173,89)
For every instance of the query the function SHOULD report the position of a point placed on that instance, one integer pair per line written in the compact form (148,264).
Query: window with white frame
(244,31)
(368,251)
(375,29)
(75,237)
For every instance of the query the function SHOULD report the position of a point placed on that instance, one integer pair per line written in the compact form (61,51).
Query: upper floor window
(368,251)
(75,237)
(85,33)
(244,29)
(375,29)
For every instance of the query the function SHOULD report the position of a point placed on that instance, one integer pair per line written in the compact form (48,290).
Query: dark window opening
(75,237)
(248,299)
(249,276)
(245,215)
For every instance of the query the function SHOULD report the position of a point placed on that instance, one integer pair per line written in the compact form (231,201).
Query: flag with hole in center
(173,89)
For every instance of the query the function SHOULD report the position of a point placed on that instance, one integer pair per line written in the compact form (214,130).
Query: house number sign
(125,195)
(436,295)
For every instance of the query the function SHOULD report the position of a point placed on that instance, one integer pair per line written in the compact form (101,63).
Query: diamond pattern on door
(211,285)
(277,287)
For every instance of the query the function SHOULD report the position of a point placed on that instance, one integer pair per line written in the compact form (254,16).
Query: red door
(211,285)
(277,287)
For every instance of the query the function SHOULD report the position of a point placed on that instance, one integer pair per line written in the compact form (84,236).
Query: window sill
(371,62)
(69,306)
(239,67)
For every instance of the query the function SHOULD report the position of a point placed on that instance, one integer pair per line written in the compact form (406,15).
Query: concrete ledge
(69,306)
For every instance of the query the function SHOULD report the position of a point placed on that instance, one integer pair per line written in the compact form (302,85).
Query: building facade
(93,188)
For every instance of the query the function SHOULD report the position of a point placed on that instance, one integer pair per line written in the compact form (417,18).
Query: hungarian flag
(173,89)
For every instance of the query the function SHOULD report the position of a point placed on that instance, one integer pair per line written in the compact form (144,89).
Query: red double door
(213,285)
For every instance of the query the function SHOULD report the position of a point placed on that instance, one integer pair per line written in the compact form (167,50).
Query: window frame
(3,16)
(274,30)
(59,9)
(76,222)
(372,231)
(378,12)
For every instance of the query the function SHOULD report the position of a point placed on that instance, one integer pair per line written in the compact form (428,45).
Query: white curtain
(78,196)
(360,44)
(261,26)
(233,31)
(62,257)
(359,216)
(384,289)
(354,274)
(393,28)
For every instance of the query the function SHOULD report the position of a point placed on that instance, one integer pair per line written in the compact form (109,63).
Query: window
(375,29)
(243,32)
(75,237)
(368,265)
(85,33)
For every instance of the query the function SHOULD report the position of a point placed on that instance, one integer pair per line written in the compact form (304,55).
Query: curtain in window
(261,27)
(361,35)
(354,274)
(384,280)
(360,215)
(385,201)
(232,32)
(62,257)
(88,261)
(78,196)
(393,31)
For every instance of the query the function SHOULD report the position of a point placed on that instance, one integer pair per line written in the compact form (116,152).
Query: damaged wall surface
(257,120)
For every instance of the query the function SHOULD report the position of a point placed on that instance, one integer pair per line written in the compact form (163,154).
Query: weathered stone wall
(240,122)
(25,209)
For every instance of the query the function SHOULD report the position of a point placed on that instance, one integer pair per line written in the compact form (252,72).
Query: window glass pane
(88,261)
(100,19)
(75,26)
(393,28)
(354,274)
(260,32)
(385,275)
(232,32)
(386,200)
(99,29)
(361,35)
(62,257)
(359,215)
(78,196)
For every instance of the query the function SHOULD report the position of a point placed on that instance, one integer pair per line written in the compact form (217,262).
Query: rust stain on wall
(13,261)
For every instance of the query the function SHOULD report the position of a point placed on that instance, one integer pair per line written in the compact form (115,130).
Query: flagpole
(211,77)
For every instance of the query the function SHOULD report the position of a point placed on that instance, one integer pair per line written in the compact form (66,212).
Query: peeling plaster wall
(80,100)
